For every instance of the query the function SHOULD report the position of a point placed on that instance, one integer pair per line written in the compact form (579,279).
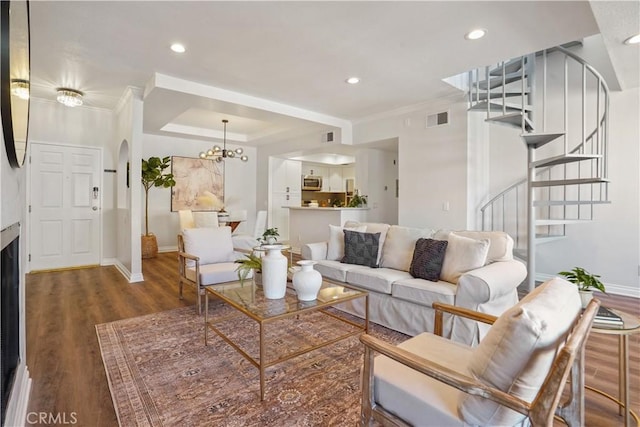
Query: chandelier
(69,97)
(20,88)
(219,154)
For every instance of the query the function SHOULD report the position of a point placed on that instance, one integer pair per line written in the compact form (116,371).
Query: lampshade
(69,97)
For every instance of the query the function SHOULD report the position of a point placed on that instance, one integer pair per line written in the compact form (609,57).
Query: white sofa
(402,302)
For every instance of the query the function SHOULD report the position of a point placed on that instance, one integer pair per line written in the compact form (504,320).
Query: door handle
(95,208)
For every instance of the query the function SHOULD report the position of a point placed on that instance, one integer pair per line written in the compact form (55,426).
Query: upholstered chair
(206,258)
(514,377)
(246,242)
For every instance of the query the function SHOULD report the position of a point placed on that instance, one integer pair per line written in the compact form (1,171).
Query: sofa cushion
(211,245)
(373,227)
(427,259)
(335,270)
(361,248)
(399,246)
(500,247)
(518,351)
(424,292)
(463,254)
(378,279)
(335,245)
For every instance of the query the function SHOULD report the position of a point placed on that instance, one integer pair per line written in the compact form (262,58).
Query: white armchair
(515,376)
(205,258)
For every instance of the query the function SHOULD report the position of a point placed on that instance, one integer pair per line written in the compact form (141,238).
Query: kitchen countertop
(305,208)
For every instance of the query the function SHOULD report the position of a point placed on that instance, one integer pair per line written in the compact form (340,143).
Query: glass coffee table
(248,300)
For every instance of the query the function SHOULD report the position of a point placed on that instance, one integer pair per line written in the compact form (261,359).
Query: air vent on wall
(437,119)
(327,137)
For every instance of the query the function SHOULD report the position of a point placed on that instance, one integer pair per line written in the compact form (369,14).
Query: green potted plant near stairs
(586,283)
(153,176)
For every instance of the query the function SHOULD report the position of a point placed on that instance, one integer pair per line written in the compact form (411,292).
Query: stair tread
(493,83)
(537,140)
(560,221)
(570,202)
(576,181)
(563,159)
(482,96)
(512,119)
(494,106)
(511,66)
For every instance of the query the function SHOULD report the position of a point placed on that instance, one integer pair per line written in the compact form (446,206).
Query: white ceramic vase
(274,272)
(307,281)
(585,297)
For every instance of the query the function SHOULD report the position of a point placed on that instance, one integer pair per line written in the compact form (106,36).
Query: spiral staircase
(560,106)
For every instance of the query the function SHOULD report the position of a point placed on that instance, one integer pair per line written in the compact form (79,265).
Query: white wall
(432,164)
(13,189)
(239,186)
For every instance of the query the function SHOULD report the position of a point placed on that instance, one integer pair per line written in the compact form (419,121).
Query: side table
(630,326)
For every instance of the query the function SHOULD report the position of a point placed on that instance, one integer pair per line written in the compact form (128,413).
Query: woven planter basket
(149,246)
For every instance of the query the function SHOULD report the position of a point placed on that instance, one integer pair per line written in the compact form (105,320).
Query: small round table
(630,326)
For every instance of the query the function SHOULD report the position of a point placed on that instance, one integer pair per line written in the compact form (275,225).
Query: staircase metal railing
(559,187)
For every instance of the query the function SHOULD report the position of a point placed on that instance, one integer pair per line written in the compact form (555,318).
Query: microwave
(311,183)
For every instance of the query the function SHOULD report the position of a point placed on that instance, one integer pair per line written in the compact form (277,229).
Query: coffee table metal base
(262,364)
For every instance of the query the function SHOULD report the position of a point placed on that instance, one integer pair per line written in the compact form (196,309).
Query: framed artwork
(199,184)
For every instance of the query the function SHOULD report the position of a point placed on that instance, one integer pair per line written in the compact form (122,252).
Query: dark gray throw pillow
(428,257)
(361,248)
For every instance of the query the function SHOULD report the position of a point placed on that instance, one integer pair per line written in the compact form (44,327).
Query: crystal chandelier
(20,88)
(219,154)
(69,97)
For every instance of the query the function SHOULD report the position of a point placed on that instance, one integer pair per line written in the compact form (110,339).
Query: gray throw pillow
(428,257)
(361,248)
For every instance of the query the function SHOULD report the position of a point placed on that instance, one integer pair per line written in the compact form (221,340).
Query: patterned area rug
(161,374)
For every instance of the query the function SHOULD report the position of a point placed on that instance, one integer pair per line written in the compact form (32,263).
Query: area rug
(160,372)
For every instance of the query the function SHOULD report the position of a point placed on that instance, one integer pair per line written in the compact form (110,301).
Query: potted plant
(357,201)
(153,176)
(250,263)
(585,281)
(270,236)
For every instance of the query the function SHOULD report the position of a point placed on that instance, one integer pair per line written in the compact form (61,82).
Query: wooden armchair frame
(569,363)
(183,257)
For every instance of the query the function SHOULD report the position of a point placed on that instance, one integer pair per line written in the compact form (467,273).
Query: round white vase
(307,281)
(585,297)
(274,272)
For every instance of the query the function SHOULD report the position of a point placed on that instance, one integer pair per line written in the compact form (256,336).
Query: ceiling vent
(437,119)
(327,137)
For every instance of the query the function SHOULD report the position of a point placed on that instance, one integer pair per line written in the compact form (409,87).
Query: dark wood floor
(64,359)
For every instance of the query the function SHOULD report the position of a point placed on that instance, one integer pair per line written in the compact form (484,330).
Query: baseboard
(19,399)
(131,278)
(108,261)
(611,288)
(168,249)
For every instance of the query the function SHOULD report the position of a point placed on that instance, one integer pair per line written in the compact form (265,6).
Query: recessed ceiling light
(178,48)
(475,34)
(633,39)
(353,80)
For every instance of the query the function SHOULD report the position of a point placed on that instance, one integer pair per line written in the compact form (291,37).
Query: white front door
(65,199)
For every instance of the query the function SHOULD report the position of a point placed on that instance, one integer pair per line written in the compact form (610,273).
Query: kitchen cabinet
(313,169)
(286,190)
(336,183)
(286,175)
(349,172)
